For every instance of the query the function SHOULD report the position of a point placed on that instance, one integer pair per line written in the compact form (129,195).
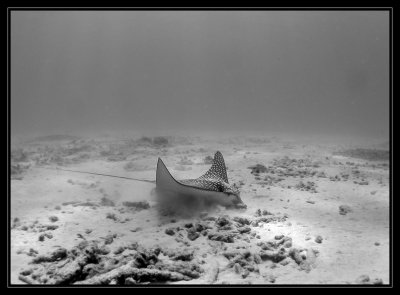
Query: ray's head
(232,193)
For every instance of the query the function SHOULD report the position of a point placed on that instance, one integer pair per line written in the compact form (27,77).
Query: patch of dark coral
(91,263)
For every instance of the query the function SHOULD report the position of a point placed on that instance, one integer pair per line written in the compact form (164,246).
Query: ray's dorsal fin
(218,169)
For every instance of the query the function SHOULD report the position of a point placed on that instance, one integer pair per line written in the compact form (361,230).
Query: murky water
(297,102)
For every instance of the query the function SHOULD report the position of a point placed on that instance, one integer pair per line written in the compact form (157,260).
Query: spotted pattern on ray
(215,179)
(217,170)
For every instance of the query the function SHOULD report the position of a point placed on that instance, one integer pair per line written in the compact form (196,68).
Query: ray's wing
(164,179)
(209,181)
(204,184)
(167,183)
(217,170)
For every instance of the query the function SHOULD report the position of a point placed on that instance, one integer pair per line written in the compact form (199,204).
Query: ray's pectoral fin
(218,169)
(164,180)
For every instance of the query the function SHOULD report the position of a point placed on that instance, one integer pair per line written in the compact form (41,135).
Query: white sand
(347,251)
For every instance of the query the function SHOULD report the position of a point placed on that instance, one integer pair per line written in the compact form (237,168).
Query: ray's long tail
(100,174)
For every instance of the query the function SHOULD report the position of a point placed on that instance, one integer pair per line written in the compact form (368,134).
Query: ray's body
(209,189)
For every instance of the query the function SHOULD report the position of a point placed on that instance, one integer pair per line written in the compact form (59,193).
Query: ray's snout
(238,203)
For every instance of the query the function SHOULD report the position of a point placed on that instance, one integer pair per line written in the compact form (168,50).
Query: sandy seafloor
(321,246)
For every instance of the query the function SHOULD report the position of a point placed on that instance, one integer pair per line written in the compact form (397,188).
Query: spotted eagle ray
(211,188)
